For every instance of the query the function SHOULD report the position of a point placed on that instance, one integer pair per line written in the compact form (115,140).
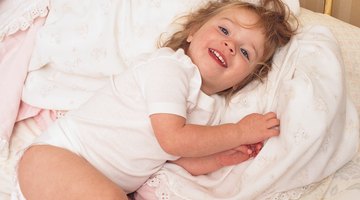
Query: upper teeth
(218,56)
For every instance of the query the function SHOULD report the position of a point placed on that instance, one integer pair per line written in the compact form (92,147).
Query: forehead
(240,15)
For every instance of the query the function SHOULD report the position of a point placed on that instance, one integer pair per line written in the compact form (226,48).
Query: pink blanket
(15,53)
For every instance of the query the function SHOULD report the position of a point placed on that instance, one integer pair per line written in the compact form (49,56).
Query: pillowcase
(81,44)
(294,5)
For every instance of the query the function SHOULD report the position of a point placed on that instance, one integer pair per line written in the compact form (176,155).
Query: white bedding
(308,161)
(319,127)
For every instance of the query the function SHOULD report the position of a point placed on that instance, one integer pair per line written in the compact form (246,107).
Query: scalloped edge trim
(24,21)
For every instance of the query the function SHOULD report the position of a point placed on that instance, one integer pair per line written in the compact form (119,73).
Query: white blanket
(319,128)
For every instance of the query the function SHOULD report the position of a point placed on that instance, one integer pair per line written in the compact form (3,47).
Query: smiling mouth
(218,57)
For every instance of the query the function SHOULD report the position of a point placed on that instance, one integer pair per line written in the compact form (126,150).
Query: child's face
(224,50)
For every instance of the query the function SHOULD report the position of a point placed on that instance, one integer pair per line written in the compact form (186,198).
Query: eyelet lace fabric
(60,114)
(18,15)
(162,191)
(294,194)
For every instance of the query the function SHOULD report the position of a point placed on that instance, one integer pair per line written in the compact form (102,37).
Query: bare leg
(47,172)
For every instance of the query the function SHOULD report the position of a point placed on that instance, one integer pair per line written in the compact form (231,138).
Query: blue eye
(224,30)
(245,53)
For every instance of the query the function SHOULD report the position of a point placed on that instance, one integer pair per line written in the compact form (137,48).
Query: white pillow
(144,22)
(82,43)
(294,5)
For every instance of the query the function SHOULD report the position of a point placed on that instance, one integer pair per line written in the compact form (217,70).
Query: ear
(189,38)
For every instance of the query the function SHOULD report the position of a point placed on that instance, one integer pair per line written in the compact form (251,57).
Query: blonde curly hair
(274,19)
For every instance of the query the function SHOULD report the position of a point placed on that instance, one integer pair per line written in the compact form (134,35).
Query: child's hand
(252,149)
(256,128)
(233,156)
(239,154)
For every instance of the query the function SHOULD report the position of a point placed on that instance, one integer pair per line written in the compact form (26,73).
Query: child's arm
(189,140)
(207,164)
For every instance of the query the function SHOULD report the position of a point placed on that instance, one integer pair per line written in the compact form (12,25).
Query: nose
(230,46)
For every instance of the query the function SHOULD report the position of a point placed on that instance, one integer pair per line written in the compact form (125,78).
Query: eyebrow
(236,23)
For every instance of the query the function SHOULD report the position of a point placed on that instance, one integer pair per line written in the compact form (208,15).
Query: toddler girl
(166,107)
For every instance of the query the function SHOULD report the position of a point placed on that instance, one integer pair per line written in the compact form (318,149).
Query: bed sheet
(348,37)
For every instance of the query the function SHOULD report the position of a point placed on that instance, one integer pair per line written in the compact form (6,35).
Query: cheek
(236,78)
(242,72)
(244,68)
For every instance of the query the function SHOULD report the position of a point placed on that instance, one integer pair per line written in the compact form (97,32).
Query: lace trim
(294,194)
(24,21)
(60,114)
(297,193)
(163,193)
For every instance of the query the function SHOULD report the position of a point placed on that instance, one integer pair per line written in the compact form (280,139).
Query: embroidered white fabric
(60,114)
(16,15)
(159,183)
(319,128)
(344,184)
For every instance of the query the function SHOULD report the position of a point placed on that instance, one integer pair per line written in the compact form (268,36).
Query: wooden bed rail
(328,7)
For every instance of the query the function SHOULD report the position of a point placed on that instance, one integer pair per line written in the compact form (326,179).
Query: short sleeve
(169,82)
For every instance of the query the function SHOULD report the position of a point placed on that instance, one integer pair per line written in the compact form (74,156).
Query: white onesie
(112,130)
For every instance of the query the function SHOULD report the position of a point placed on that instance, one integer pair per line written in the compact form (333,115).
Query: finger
(259,146)
(253,149)
(274,122)
(244,149)
(270,115)
(274,132)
